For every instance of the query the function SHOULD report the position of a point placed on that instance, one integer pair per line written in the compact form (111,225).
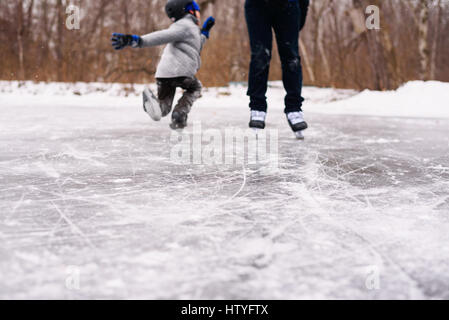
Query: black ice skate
(257,121)
(151,105)
(179,119)
(297,123)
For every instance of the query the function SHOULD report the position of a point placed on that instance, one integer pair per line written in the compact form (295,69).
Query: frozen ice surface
(91,206)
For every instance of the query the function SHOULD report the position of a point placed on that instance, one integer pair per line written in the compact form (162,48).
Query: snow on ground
(92,204)
(414,99)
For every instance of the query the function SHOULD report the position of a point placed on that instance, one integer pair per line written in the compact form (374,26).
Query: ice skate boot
(257,121)
(297,123)
(151,105)
(179,119)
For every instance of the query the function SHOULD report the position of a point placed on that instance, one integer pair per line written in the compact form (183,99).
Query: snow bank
(414,99)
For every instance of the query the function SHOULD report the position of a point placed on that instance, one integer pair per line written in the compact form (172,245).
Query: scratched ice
(91,206)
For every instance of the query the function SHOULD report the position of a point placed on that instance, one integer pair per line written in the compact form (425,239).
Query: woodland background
(337,50)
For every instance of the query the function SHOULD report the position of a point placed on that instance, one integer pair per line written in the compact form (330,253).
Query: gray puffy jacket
(181,57)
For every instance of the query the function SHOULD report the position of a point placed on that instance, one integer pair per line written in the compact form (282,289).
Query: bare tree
(336,47)
(20,34)
(423,28)
(436,38)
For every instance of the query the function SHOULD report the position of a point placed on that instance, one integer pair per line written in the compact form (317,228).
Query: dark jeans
(167,90)
(284,17)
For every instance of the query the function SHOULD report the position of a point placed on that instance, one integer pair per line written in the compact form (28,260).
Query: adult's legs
(286,24)
(258,18)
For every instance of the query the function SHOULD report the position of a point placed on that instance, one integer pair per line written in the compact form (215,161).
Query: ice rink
(93,207)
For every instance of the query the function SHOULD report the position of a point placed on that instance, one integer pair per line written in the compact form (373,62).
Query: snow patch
(417,99)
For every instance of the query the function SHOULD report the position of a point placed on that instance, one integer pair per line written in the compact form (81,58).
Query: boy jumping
(179,63)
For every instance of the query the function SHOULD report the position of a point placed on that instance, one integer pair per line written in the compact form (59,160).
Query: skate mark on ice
(74,227)
(243,184)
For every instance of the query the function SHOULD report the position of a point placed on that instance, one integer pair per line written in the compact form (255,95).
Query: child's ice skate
(297,123)
(179,119)
(151,105)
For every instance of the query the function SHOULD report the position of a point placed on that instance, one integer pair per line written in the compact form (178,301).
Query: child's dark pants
(167,90)
(285,18)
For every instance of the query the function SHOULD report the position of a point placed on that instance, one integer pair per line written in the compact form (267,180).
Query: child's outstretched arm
(172,34)
(121,41)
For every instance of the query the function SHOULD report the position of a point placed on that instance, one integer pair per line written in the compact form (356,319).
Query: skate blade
(299,135)
(151,105)
(176,127)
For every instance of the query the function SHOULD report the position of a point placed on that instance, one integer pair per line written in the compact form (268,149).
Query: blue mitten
(120,41)
(193,7)
(207,26)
